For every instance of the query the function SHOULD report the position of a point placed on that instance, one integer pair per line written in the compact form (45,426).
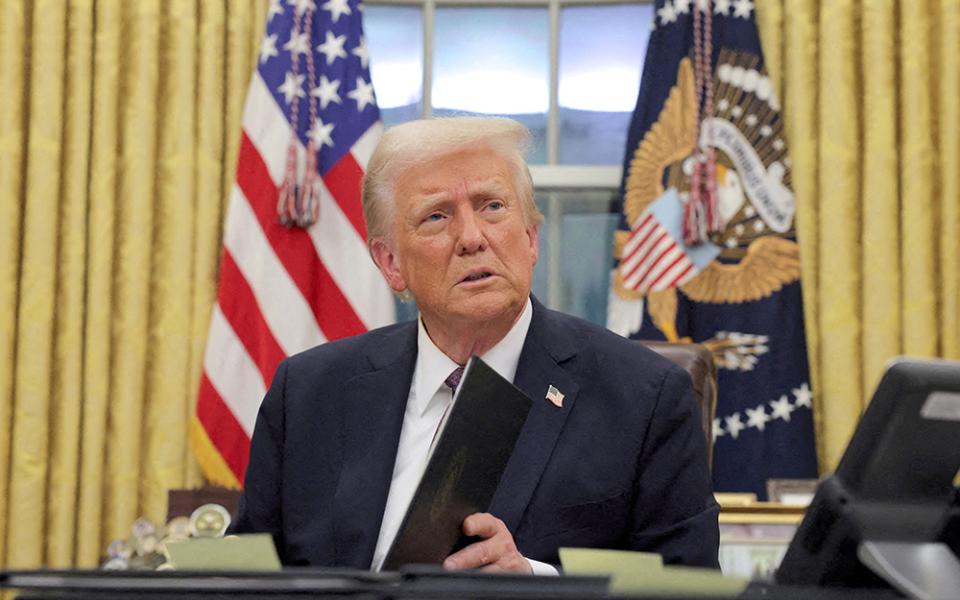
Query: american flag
(295,271)
(654,256)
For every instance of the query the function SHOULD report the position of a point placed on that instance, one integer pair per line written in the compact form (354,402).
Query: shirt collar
(505,356)
(433,366)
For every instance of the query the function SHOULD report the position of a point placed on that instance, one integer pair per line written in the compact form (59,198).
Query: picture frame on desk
(754,535)
(793,492)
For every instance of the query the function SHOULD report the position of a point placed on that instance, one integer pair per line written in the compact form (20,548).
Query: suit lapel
(372,418)
(544,361)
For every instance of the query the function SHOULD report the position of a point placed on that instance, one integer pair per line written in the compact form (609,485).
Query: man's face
(459,241)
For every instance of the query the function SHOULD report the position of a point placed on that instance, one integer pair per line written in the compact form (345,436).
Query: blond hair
(418,142)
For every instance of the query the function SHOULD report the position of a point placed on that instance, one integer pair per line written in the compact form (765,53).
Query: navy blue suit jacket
(622,464)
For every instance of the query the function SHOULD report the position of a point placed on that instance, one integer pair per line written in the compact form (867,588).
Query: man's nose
(470,235)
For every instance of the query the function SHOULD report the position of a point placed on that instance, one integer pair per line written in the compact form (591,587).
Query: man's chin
(491,308)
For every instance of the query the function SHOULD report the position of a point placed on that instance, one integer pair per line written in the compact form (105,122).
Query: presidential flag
(294,271)
(706,250)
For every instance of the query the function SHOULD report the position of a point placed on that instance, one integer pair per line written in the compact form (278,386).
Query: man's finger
(494,568)
(476,555)
(495,552)
(482,525)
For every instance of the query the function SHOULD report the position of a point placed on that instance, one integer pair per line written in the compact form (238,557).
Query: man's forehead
(480,170)
(495,184)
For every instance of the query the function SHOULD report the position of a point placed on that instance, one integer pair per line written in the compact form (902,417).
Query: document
(642,573)
(250,552)
(465,468)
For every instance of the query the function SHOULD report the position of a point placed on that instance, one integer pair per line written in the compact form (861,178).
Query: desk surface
(339,583)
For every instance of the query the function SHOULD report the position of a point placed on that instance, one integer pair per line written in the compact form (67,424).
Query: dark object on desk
(951,531)
(890,499)
(182,503)
(462,475)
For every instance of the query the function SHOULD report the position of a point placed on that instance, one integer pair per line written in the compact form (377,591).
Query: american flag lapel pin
(555,396)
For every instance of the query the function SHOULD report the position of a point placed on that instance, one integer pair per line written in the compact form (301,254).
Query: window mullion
(553,117)
(554,240)
(429,12)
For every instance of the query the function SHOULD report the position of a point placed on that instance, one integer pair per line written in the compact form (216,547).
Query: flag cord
(700,215)
(287,197)
(310,197)
(300,204)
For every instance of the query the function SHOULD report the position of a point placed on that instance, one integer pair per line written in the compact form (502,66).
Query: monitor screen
(895,482)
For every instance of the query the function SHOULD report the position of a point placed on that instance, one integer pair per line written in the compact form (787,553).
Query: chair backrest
(181,503)
(696,360)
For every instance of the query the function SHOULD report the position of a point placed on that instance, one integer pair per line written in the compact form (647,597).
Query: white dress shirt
(427,402)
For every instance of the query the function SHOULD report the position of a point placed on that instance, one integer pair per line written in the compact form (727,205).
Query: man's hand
(496,552)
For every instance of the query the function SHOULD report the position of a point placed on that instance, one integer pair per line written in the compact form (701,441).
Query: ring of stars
(765,414)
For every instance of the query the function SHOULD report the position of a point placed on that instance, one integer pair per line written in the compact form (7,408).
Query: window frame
(544,177)
(550,180)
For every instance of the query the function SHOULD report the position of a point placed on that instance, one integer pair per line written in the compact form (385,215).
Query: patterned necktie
(452,381)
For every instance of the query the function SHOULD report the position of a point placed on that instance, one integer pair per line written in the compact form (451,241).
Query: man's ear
(388,263)
(532,233)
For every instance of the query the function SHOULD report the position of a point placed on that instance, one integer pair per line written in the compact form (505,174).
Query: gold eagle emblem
(757,256)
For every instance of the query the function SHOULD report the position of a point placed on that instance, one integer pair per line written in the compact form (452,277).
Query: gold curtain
(871,97)
(119,125)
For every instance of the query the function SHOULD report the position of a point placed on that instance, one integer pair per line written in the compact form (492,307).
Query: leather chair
(696,360)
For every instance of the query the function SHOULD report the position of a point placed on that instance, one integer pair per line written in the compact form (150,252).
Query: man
(344,432)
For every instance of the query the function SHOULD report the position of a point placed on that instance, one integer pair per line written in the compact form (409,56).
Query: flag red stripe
(242,311)
(647,254)
(641,226)
(679,278)
(667,270)
(653,265)
(335,315)
(223,429)
(343,181)
(644,244)
(640,235)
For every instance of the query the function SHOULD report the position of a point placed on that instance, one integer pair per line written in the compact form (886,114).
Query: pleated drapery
(119,125)
(871,97)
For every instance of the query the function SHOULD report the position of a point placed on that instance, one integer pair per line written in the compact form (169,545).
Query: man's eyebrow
(430,200)
(488,187)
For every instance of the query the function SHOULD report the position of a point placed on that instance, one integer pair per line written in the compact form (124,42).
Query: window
(567,69)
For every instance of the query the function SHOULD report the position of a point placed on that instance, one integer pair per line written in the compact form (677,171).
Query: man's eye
(495,205)
(434,217)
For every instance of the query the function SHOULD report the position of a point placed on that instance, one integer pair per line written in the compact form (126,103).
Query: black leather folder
(465,468)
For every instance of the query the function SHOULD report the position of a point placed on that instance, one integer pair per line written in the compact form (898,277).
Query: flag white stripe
(693,272)
(670,278)
(232,372)
(269,130)
(643,251)
(649,258)
(345,255)
(660,267)
(639,235)
(285,310)
(363,148)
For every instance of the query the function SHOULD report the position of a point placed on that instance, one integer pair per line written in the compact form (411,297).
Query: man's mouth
(478,276)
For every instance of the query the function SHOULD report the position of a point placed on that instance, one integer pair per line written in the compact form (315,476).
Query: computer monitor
(895,481)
